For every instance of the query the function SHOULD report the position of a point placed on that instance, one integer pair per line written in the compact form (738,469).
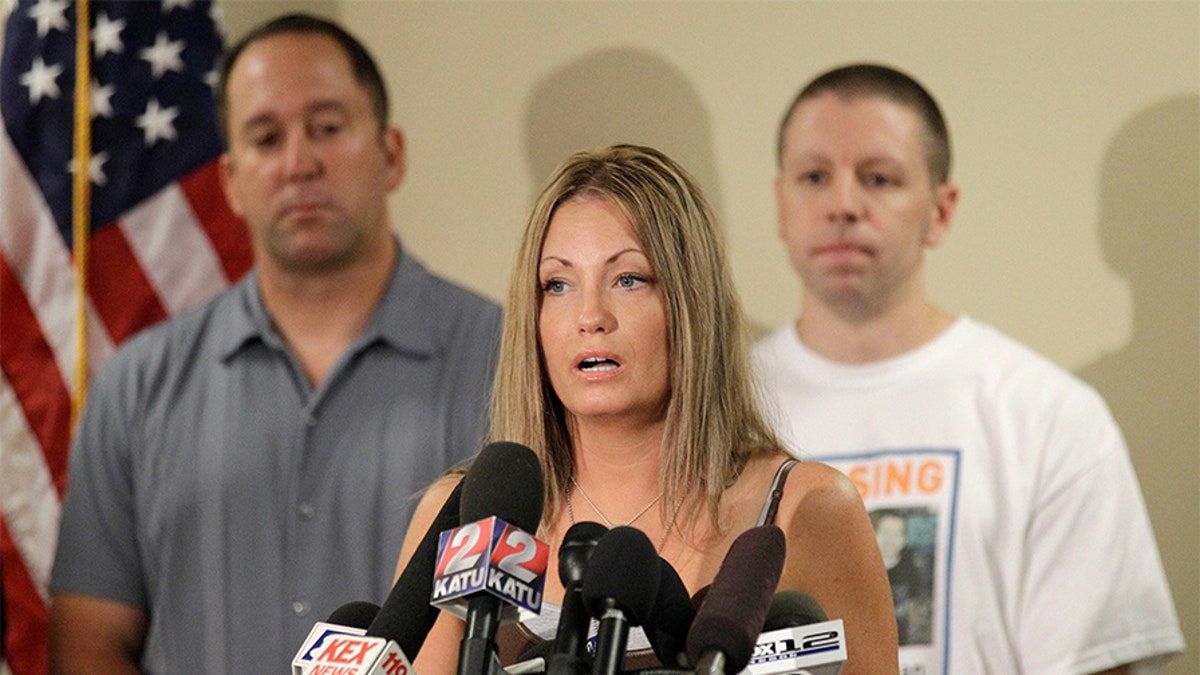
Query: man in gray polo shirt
(244,469)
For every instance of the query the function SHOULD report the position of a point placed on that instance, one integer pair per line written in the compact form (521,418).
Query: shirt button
(300,608)
(306,511)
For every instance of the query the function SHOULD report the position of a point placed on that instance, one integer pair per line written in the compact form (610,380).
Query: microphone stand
(477,652)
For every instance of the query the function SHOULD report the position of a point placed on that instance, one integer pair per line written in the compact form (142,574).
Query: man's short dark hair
(869,79)
(366,72)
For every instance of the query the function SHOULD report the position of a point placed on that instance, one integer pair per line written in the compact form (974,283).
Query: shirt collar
(397,320)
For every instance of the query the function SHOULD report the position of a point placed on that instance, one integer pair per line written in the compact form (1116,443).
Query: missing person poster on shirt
(911,495)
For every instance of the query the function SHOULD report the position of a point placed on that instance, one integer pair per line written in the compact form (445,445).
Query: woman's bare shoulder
(426,512)
(818,491)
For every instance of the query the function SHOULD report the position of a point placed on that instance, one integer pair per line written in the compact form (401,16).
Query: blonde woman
(624,366)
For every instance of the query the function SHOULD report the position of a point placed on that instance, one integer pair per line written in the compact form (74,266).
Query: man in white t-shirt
(1018,538)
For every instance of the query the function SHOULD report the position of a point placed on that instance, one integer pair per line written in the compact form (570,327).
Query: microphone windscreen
(576,550)
(735,609)
(505,481)
(698,596)
(792,609)
(671,618)
(356,614)
(406,615)
(623,573)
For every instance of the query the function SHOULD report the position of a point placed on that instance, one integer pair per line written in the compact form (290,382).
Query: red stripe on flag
(225,229)
(29,365)
(27,619)
(123,296)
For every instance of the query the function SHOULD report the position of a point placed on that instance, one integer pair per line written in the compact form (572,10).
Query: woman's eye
(630,280)
(553,286)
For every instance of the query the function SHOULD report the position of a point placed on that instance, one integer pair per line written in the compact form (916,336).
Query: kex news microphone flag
(111,218)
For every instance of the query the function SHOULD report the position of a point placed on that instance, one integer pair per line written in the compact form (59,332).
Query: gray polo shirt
(213,488)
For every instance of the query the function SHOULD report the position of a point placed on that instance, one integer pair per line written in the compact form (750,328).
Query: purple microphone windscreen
(735,608)
(792,609)
(623,572)
(356,614)
(505,481)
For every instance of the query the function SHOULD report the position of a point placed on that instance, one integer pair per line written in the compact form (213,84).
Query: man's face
(856,203)
(307,166)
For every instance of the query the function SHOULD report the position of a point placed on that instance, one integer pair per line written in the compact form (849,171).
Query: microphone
(726,628)
(490,567)
(671,619)
(568,653)
(354,614)
(406,615)
(619,588)
(338,645)
(798,638)
(792,609)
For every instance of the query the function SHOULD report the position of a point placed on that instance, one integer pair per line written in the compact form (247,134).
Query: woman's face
(603,320)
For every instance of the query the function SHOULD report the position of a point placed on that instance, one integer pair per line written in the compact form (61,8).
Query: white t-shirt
(1019,540)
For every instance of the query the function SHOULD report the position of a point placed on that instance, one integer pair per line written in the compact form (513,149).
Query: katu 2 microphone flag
(111,219)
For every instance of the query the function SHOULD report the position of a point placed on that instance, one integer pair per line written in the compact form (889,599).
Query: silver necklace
(603,517)
(608,523)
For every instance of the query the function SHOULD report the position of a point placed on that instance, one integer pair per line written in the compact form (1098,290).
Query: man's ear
(394,158)
(945,201)
(779,232)
(225,171)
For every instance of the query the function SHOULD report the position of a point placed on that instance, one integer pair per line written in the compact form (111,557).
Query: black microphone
(406,615)
(671,619)
(792,609)
(619,588)
(354,614)
(339,645)
(505,482)
(727,625)
(798,639)
(568,653)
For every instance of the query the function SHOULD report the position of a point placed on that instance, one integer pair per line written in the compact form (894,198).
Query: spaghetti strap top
(514,640)
(776,493)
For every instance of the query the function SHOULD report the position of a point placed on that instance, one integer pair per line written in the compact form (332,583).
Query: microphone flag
(331,649)
(814,649)
(490,556)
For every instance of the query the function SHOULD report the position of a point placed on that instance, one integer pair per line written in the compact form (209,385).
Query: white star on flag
(157,122)
(49,15)
(40,79)
(101,95)
(95,168)
(106,35)
(163,55)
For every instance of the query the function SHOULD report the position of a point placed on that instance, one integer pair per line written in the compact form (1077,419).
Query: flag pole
(81,203)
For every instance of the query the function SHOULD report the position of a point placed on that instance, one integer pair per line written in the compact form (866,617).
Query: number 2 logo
(463,549)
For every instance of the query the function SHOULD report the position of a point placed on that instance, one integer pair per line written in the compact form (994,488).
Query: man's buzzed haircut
(874,80)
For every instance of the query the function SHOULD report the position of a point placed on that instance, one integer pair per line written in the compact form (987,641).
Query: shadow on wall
(1150,234)
(621,95)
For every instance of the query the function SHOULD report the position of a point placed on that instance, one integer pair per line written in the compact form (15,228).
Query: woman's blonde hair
(713,423)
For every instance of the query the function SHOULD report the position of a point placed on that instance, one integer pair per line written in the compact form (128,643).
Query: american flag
(162,239)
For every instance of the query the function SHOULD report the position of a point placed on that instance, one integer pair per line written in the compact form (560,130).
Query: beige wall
(1076,128)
